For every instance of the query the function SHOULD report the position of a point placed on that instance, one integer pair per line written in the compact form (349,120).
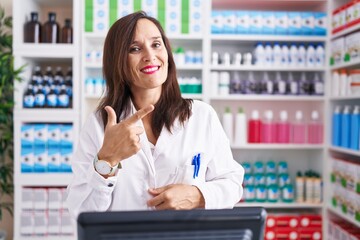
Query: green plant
(7,77)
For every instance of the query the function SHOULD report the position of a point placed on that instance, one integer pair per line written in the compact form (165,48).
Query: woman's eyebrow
(152,38)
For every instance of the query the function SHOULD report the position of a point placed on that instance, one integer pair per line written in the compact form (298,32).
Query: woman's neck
(146,98)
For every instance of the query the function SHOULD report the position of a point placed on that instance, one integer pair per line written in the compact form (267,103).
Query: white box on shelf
(320,23)
(101,15)
(217,22)
(63,198)
(27,200)
(338,50)
(40,199)
(229,21)
(268,22)
(196,17)
(27,223)
(352,44)
(307,23)
(27,135)
(53,159)
(242,21)
(53,135)
(65,159)
(294,19)
(40,159)
(125,7)
(27,159)
(281,23)
(40,223)
(66,223)
(173,22)
(55,199)
(256,22)
(54,223)
(150,7)
(67,136)
(40,135)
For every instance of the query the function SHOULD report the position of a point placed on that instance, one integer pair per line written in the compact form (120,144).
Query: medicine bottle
(32,29)
(51,30)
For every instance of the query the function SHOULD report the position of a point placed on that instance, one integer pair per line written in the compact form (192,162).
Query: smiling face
(148,58)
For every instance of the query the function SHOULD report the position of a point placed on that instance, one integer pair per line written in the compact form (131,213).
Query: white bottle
(224,83)
(240,128)
(259,54)
(227,121)
(319,84)
(277,55)
(343,82)
(294,55)
(320,56)
(302,55)
(281,84)
(285,55)
(310,56)
(214,83)
(268,55)
(335,83)
(294,85)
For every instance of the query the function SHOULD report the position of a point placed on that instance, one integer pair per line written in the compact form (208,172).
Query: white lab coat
(219,180)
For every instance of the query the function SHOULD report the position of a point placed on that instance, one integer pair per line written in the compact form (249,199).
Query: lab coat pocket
(185,175)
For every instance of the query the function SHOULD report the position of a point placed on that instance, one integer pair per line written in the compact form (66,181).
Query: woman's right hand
(122,140)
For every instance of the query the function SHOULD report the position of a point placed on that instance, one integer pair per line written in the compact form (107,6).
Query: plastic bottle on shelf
(336,127)
(355,128)
(268,131)
(293,84)
(251,84)
(315,129)
(280,84)
(224,83)
(309,187)
(259,54)
(68,81)
(299,129)
(37,77)
(317,189)
(63,98)
(335,83)
(254,128)
(58,79)
(318,85)
(67,32)
(52,98)
(277,55)
(227,121)
(310,56)
(240,128)
(268,55)
(294,55)
(305,88)
(236,86)
(32,29)
(29,98)
(283,128)
(285,55)
(51,30)
(343,82)
(302,57)
(320,55)
(215,60)
(299,187)
(346,127)
(39,98)
(268,84)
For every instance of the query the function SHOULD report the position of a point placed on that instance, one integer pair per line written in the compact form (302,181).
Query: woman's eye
(134,49)
(157,45)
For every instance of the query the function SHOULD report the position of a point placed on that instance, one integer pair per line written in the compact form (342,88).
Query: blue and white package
(294,23)
(196,21)
(27,136)
(67,136)
(54,160)
(307,23)
(256,22)
(229,21)
(53,138)
(150,7)
(65,159)
(173,17)
(40,135)
(40,159)
(320,24)
(217,22)
(268,22)
(242,22)
(27,160)
(281,23)
(101,15)
(125,7)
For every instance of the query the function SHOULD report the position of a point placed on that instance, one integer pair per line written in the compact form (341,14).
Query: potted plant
(7,77)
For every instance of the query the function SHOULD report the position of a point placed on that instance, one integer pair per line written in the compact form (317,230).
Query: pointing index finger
(140,114)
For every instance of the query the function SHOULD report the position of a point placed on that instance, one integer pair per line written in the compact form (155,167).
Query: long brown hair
(116,73)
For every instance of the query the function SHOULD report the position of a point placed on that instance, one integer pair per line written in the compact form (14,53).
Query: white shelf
(345,150)
(45,50)
(346,31)
(339,98)
(43,179)
(193,96)
(93,97)
(244,97)
(343,216)
(351,64)
(270,68)
(259,37)
(281,205)
(46,115)
(275,146)
(93,65)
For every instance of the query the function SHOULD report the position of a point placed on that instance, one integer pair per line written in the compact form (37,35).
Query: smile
(150,69)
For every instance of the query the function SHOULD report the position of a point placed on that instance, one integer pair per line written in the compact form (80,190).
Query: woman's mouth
(150,69)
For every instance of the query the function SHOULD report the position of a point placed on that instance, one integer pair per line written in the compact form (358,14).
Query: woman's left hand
(176,197)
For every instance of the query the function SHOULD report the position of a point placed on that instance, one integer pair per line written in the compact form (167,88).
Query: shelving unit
(295,205)
(342,216)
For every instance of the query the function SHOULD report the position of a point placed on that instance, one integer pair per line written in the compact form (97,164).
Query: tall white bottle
(240,128)
(228,124)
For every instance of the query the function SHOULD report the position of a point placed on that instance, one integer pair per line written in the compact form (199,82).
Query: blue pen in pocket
(196,163)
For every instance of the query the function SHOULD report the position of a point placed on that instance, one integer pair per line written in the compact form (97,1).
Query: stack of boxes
(46,147)
(346,16)
(338,229)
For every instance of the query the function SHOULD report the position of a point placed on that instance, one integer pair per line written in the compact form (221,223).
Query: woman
(146,147)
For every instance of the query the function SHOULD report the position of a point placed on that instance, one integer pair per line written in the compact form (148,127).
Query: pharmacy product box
(65,159)
(27,136)
(217,22)
(310,234)
(125,7)
(66,223)
(27,223)
(352,47)
(287,233)
(27,201)
(40,197)
(54,159)
(40,159)
(256,22)
(281,23)
(294,23)
(173,19)
(339,19)
(268,22)
(320,24)
(310,221)
(40,135)
(150,7)
(350,13)
(53,135)
(229,21)
(242,22)
(269,234)
(287,221)
(270,222)
(54,223)
(27,160)
(337,51)
(55,198)
(307,23)
(40,223)
(67,136)
(196,15)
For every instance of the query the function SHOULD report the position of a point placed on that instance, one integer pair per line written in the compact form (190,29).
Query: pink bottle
(268,128)
(315,129)
(254,128)
(283,128)
(299,129)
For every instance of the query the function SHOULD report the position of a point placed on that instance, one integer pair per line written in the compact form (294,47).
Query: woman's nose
(149,55)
